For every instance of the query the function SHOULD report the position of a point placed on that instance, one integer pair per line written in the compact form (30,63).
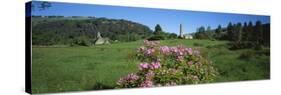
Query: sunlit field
(59,69)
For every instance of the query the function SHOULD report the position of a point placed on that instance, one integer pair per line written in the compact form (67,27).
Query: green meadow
(60,69)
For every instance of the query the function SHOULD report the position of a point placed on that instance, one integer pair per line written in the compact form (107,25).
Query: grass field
(57,69)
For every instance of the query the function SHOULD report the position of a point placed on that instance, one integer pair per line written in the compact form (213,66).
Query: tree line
(246,35)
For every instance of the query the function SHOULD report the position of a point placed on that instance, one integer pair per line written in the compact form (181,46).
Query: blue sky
(169,20)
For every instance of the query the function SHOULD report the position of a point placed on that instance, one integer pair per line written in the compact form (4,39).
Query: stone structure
(184,36)
(181,31)
(101,40)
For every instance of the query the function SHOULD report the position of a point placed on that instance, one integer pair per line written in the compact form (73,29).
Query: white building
(187,36)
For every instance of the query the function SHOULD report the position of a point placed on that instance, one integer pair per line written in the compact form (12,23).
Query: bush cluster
(168,66)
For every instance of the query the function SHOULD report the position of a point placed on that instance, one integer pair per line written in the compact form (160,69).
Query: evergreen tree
(219,33)
(157,30)
(245,32)
(209,33)
(250,31)
(266,34)
(258,32)
(201,33)
(239,32)
(230,32)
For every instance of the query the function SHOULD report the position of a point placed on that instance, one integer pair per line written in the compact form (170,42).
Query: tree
(173,36)
(230,32)
(201,29)
(159,34)
(218,31)
(266,35)
(201,33)
(157,30)
(239,32)
(258,32)
(208,29)
(245,36)
(209,33)
(250,32)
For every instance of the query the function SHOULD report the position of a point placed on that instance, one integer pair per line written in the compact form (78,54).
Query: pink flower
(180,53)
(151,43)
(155,65)
(143,66)
(132,77)
(189,51)
(149,51)
(146,83)
(174,49)
(180,50)
(128,79)
(180,58)
(164,50)
(189,63)
(149,75)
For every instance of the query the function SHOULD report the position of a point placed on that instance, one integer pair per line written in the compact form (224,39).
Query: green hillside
(70,30)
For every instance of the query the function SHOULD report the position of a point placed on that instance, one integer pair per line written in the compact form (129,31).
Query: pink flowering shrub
(168,66)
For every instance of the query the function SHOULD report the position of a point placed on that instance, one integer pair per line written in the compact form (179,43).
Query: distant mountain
(52,30)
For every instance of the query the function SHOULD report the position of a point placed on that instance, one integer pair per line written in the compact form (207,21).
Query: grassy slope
(99,67)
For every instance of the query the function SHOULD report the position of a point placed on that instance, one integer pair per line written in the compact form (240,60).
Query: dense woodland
(74,30)
(248,35)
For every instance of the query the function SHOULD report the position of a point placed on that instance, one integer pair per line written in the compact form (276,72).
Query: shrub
(82,41)
(264,51)
(157,37)
(245,44)
(167,66)
(218,46)
(198,44)
(247,55)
